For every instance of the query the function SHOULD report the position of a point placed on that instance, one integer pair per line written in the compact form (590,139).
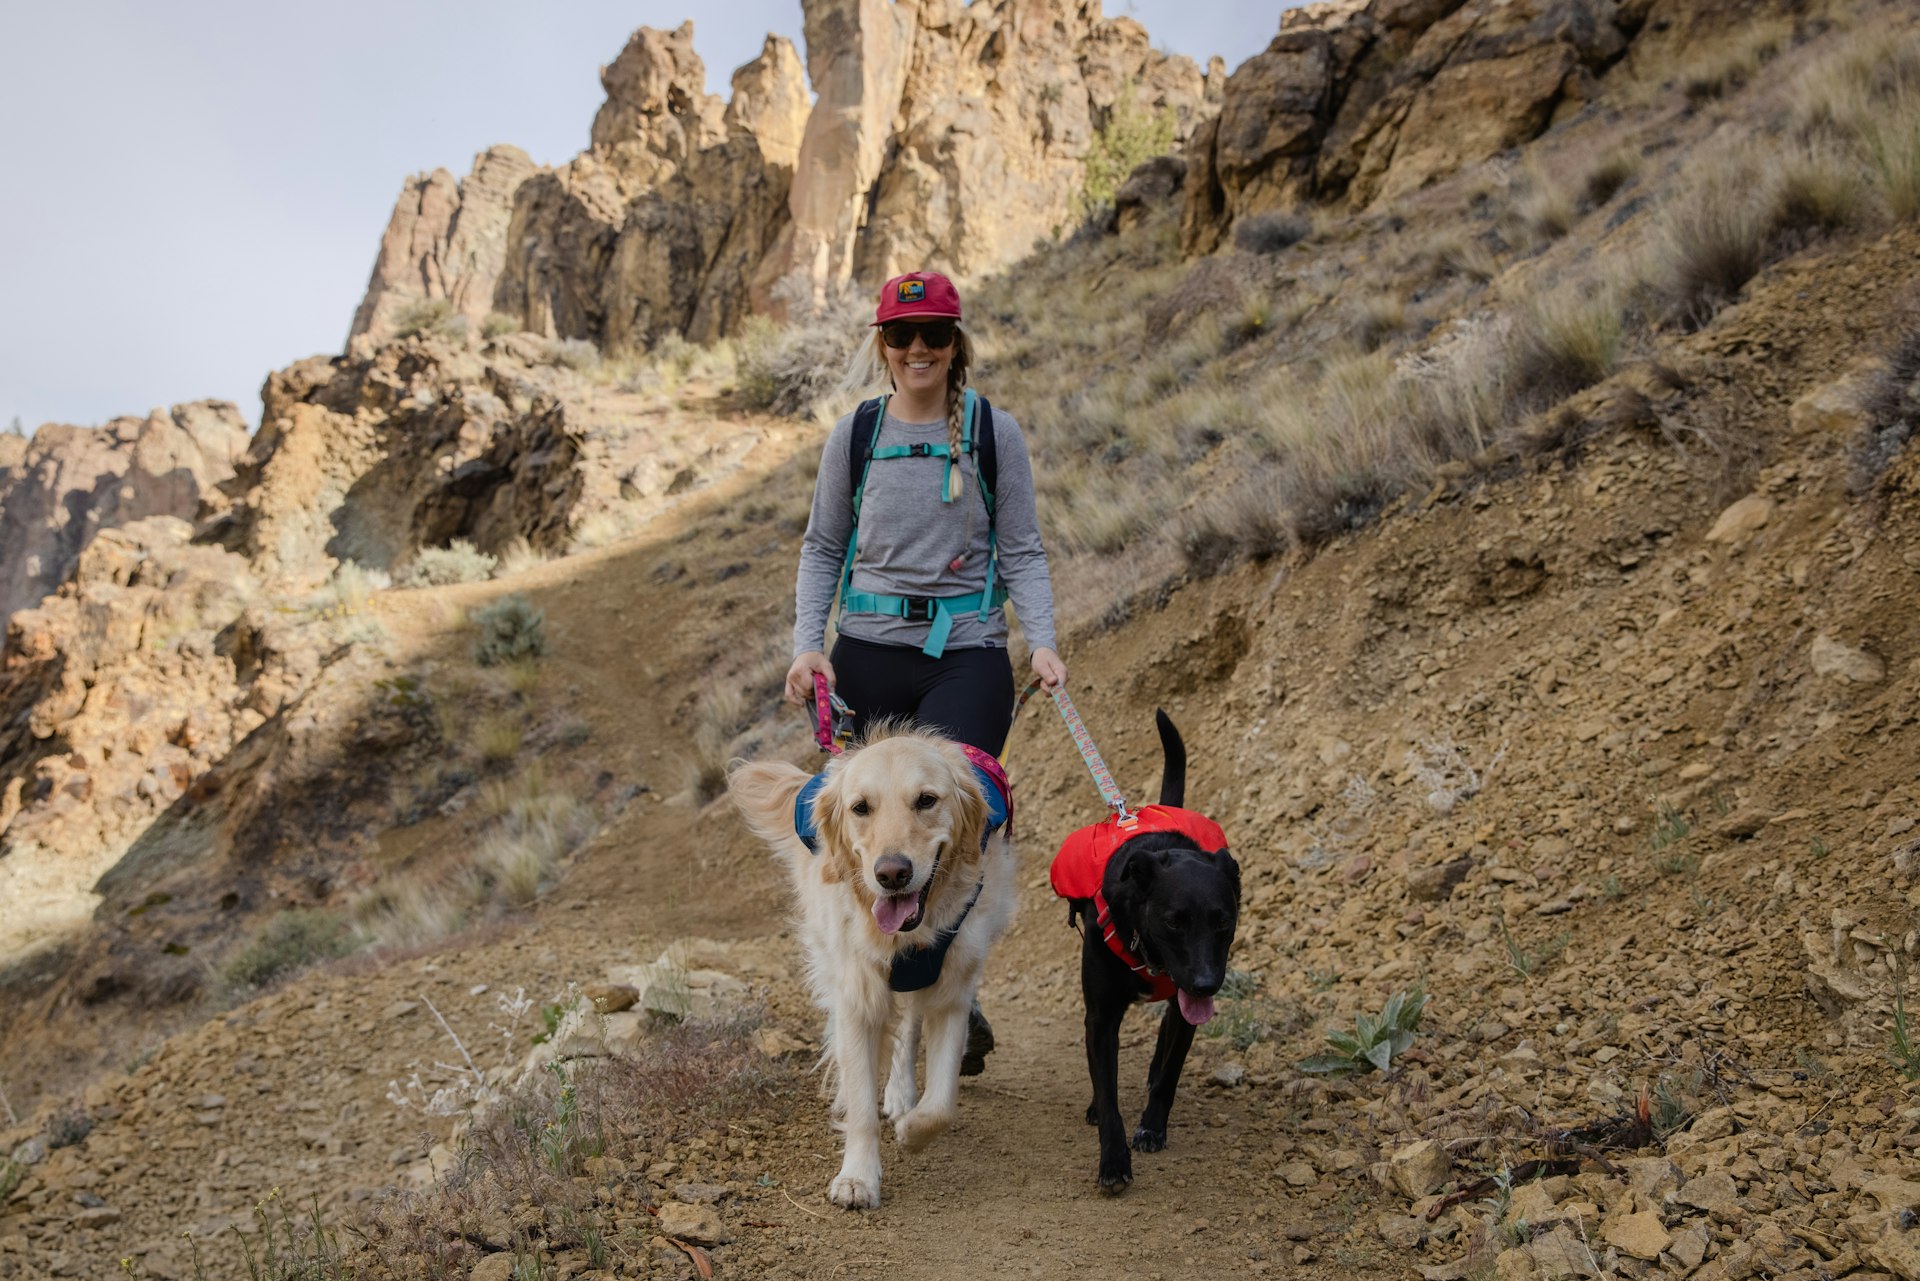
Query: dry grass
(1892,405)
(1713,237)
(1609,174)
(498,737)
(1568,340)
(718,718)
(406,912)
(520,855)
(1864,98)
(530,1177)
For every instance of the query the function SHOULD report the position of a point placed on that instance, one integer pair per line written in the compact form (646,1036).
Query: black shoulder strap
(866,428)
(984,448)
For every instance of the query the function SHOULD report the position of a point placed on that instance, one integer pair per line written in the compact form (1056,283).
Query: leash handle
(833,719)
(1082,739)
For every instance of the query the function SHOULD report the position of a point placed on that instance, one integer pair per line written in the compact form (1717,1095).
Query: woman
(921,631)
(922,634)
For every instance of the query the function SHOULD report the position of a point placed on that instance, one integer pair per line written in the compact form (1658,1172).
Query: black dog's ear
(1138,868)
(1233,872)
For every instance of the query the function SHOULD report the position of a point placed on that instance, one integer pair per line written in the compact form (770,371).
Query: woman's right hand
(800,676)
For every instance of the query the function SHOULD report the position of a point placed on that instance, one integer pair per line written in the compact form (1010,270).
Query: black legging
(966,694)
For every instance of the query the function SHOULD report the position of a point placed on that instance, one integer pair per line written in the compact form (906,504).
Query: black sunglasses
(899,334)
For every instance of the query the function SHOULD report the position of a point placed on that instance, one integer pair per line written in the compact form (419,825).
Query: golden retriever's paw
(853,1192)
(900,1098)
(920,1127)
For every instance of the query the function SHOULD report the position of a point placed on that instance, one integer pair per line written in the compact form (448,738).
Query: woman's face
(917,369)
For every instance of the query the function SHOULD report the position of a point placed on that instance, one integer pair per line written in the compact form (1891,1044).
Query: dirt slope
(1674,839)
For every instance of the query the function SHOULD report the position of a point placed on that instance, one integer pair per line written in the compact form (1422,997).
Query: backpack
(976,438)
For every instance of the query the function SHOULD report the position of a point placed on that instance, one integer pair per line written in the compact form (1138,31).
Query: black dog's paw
(1145,1140)
(1093,1114)
(1116,1172)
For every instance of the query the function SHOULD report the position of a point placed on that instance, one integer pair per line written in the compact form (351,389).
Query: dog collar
(1159,986)
(919,967)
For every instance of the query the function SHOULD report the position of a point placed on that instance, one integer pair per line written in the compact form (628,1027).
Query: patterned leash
(833,719)
(1096,765)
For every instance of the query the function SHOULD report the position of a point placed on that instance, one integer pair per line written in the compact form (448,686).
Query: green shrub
(499,324)
(511,629)
(291,941)
(789,369)
(576,354)
(1132,135)
(1269,233)
(458,562)
(429,317)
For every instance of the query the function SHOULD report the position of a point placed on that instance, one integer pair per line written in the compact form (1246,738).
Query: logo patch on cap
(912,291)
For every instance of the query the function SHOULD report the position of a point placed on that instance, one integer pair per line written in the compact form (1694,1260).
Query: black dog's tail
(1173,777)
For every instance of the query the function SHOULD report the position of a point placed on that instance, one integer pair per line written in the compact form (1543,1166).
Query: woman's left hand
(1048,667)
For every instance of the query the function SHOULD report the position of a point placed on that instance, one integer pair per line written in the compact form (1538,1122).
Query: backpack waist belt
(937,610)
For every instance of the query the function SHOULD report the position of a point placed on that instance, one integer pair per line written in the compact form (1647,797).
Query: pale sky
(196,189)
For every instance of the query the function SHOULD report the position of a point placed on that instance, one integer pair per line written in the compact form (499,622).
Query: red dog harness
(1080,869)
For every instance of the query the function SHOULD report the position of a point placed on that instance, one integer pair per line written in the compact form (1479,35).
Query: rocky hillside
(1579,694)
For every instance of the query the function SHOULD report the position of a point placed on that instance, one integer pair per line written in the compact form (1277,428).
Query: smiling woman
(923,527)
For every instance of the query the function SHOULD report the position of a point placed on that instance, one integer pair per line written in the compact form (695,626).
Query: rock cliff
(1361,101)
(59,490)
(943,133)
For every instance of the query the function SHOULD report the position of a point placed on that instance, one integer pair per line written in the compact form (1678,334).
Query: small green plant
(511,630)
(1673,1101)
(499,324)
(1526,964)
(1904,1053)
(12,1174)
(1811,1064)
(1238,986)
(1322,980)
(429,317)
(550,1015)
(290,941)
(1670,829)
(458,562)
(288,1249)
(1819,848)
(1611,887)
(1375,1040)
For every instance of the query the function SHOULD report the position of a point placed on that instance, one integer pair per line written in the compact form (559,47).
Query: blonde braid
(956,388)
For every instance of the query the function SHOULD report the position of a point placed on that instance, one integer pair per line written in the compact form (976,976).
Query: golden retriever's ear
(830,824)
(970,806)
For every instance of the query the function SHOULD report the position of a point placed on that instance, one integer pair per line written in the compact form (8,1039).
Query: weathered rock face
(1369,99)
(945,134)
(58,491)
(445,240)
(114,695)
(958,136)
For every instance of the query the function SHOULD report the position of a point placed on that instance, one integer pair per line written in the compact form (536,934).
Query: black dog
(1158,903)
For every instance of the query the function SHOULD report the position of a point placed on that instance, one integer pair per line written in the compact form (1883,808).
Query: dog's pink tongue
(891,913)
(1194,1009)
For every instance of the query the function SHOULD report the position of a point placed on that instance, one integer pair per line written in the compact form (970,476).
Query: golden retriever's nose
(893,871)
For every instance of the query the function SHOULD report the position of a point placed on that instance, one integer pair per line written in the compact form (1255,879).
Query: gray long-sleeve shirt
(908,539)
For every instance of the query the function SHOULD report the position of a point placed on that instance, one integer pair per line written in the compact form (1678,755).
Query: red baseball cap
(918,295)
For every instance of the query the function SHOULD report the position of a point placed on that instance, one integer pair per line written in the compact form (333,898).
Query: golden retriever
(900,864)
